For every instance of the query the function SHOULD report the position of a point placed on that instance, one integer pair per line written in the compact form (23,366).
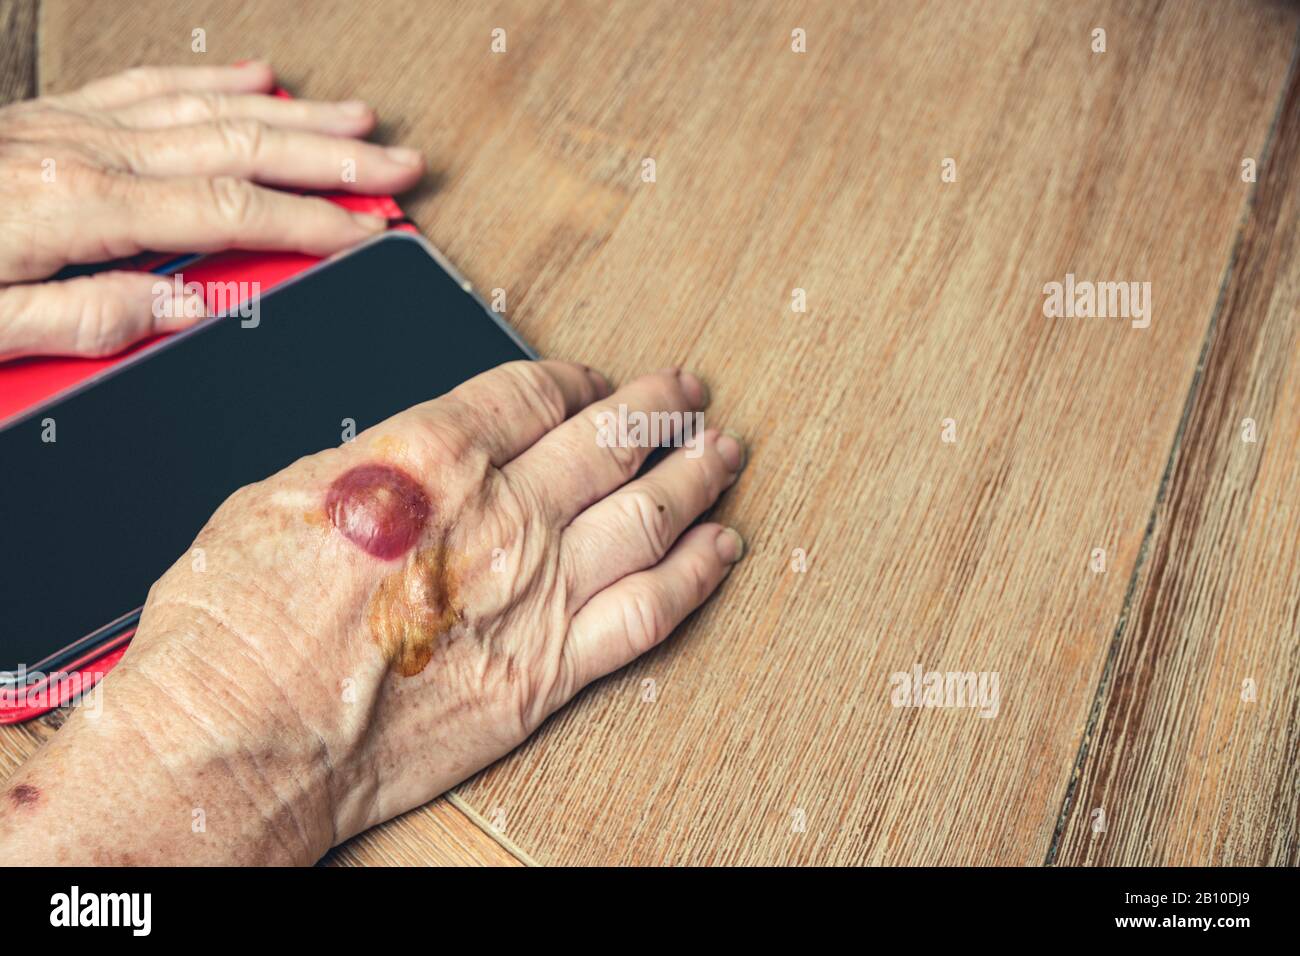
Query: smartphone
(142,455)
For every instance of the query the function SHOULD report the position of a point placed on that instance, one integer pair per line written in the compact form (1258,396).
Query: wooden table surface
(954,466)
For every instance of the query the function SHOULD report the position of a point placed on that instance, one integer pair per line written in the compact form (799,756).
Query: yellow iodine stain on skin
(414,607)
(390,448)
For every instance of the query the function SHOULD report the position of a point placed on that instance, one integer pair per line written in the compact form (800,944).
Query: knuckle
(242,137)
(625,456)
(515,504)
(538,391)
(194,107)
(452,439)
(643,619)
(456,448)
(437,439)
(119,148)
(700,576)
(710,476)
(666,389)
(102,327)
(143,78)
(516,691)
(523,683)
(234,199)
(532,684)
(651,517)
(627,460)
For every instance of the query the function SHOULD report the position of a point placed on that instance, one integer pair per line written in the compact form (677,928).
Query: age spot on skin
(24,795)
(379,508)
(414,607)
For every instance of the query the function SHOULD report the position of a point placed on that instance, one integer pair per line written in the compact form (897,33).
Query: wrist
(234,749)
(175,772)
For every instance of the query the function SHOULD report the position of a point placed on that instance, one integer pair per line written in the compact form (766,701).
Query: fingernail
(695,389)
(732,449)
(368,222)
(730,545)
(253,65)
(404,156)
(354,108)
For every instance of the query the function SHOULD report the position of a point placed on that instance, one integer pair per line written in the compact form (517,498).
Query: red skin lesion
(383,511)
(379,508)
(24,796)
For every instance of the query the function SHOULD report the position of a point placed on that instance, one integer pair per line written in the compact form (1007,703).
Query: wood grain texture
(821,171)
(17,49)
(1188,763)
(437,834)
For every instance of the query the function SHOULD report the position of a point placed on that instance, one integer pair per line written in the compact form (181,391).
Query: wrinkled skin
(359,632)
(267,683)
(167,160)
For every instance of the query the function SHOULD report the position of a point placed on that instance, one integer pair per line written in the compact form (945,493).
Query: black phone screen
(142,457)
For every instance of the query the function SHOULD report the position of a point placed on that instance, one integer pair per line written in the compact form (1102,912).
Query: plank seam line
(1112,654)
(39,16)
(492,832)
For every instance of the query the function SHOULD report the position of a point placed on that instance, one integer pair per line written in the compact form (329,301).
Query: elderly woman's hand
(167,160)
(378,621)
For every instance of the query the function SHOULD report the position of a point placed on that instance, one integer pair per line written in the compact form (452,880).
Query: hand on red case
(27,383)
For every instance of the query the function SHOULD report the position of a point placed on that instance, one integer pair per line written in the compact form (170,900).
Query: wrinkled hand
(166,160)
(378,621)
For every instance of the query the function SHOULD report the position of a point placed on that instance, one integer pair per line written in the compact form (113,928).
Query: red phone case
(29,382)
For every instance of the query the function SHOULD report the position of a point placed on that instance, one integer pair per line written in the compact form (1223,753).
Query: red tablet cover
(29,382)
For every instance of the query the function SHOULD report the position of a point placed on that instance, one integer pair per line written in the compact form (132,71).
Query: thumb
(91,316)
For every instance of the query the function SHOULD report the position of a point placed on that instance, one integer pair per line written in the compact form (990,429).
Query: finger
(251,149)
(603,447)
(143,82)
(508,408)
(634,527)
(352,118)
(194,214)
(90,315)
(626,619)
